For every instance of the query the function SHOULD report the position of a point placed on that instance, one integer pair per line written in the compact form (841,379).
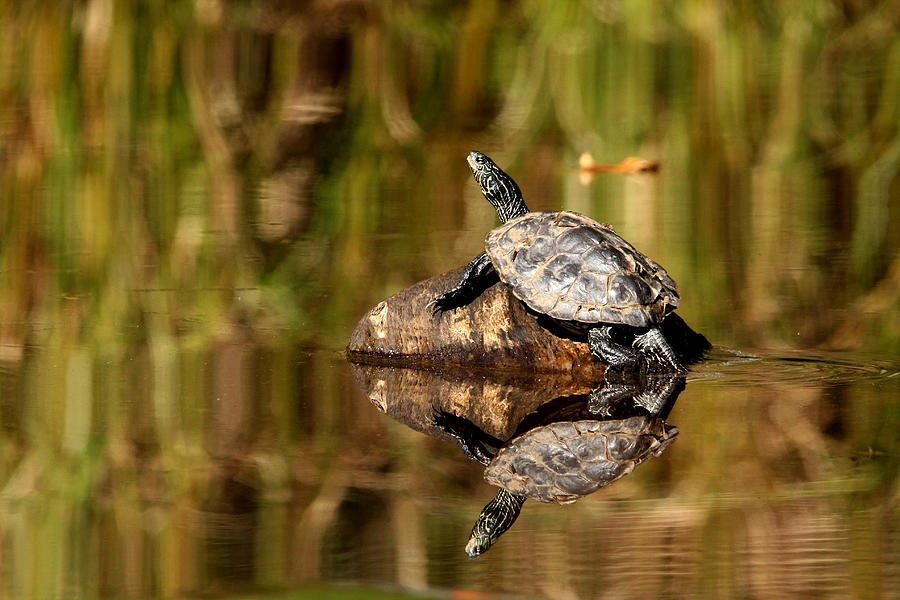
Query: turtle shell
(564,461)
(568,266)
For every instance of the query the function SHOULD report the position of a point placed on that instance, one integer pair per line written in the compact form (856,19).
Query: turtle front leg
(611,352)
(653,344)
(470,438)
(478,276)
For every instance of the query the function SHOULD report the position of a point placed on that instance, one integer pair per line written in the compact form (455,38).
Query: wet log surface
(495,331)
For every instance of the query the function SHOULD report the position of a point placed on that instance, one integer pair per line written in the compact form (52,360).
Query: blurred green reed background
(154,151)
(199,199)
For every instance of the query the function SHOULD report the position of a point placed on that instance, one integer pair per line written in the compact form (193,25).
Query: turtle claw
(440,304)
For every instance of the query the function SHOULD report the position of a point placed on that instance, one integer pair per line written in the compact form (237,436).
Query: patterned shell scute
(572,268)
(564,461)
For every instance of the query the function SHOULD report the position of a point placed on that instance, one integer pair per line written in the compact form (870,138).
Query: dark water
(199,202)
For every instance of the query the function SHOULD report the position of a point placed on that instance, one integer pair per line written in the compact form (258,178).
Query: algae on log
(494,331)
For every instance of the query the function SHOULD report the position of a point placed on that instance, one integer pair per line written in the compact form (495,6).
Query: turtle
(574,270)
(558,462)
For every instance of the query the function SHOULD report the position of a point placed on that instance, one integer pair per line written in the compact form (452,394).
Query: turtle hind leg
(654,345)
(604,400)
(478,276)
(614,354)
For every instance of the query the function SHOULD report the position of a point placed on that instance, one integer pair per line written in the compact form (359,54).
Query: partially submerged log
(494,331)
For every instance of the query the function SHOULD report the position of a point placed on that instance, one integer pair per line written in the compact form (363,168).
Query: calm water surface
(198,204)
(782,481)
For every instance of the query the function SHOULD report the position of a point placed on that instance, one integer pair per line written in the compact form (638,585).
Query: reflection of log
(494,331)
(495,403)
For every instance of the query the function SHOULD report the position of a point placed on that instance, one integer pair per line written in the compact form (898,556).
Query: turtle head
(496,517)
(498,187)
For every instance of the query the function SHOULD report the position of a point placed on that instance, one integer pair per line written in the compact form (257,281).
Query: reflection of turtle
(572,269)
(559,461)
